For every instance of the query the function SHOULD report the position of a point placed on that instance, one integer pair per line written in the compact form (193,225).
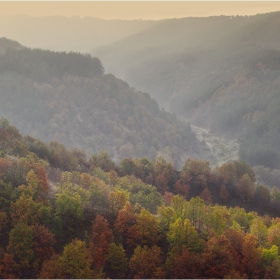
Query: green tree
(270,255)
(273,234)
(165,216)
(182,233)
(117,199)
(218,218)
(20,247)
(26,210)
(102,160)
(147,228)
(195,212)
(116,262)
(75,261)
(179,204)
(69,211)
(259,229)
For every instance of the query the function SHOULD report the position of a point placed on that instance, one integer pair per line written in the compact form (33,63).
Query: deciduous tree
(101,238)
(145,263)
(75,261)
(182,233)
(116,262)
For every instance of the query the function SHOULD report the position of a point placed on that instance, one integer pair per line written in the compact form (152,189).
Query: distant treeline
(43,66)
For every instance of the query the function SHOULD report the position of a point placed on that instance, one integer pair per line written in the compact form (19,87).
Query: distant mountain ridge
(59,33)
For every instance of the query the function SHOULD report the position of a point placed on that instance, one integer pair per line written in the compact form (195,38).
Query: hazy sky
(137,9)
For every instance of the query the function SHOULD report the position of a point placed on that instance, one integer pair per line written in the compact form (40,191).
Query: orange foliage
(43,242)
(4,165)
(167,198)
(42,178)
(125,224)
(145,263)
(8,267)
(252,257)
(184,264)
(218,257)
(101,239)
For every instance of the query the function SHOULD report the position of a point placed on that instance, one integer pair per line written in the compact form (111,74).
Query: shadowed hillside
(66,97)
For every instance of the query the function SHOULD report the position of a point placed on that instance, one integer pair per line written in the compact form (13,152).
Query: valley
(223,148)
(141,149)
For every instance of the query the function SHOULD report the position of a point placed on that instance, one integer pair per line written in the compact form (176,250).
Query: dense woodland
(67,98)
(104,184)
(65,216)
(221,73)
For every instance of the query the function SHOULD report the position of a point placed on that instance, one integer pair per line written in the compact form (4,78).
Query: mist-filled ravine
(140,149)
(220,73)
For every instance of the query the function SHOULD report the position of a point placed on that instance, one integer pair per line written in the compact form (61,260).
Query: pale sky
(137,9)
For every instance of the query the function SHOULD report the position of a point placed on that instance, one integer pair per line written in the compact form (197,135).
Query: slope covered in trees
(95,219)
(66,97)
(220,73)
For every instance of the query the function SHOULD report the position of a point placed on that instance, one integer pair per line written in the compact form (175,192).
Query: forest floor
(223,148)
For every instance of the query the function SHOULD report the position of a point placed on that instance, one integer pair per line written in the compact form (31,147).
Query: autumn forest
(100,180)
(63,216)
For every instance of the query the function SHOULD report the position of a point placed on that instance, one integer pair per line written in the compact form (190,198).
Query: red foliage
(125,224)
(182,188)
(167,198)
(7,267)
(42,178)
(43,242)
(184,264)
(4,166)
(101,239)
(252,257)
(206,196)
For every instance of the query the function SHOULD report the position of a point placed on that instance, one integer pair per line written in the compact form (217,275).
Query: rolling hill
(66,97)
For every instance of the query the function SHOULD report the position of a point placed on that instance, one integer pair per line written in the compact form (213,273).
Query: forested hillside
(98,182)
(220,73)
(63,216)
(66,97)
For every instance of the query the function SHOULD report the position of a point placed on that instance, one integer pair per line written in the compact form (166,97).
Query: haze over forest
(212,71)
(140,148)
